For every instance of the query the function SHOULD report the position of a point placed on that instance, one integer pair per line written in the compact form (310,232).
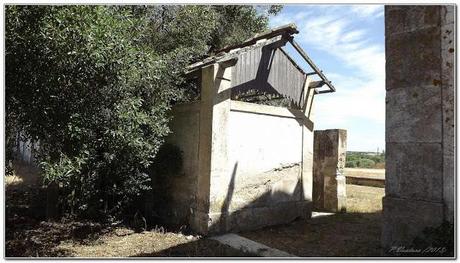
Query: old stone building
(246,164)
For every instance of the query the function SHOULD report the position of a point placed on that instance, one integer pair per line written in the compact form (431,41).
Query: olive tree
(94,84)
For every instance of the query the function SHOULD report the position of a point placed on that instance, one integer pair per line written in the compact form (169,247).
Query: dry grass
(30,237)
(364,199)
(23,175)
(11,180)
(365,173)
(124,243)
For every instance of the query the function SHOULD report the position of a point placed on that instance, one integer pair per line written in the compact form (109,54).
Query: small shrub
(363,160)
(366,163)
(351,164)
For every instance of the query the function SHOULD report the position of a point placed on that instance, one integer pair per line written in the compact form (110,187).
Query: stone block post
(419,187)
(329,186)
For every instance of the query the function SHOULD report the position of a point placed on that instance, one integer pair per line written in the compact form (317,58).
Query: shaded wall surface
(329,182)
(419,120)
(271,71)
(174,195)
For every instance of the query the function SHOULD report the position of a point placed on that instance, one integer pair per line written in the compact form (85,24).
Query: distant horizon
(380,151)
(346,42)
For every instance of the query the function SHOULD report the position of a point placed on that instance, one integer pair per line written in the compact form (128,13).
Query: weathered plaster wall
(419,120)
(263,182)
(259,133)
(245,165)
(175,195)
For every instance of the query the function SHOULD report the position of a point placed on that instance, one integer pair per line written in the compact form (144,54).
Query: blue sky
(347,43)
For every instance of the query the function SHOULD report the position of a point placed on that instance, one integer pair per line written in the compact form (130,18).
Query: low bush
(363,160)
(351,164)
(366,163)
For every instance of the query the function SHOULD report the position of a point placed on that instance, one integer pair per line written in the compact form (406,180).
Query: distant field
(365,173)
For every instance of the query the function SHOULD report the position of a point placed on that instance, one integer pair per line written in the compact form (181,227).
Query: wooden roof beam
(312,65)
(286,30)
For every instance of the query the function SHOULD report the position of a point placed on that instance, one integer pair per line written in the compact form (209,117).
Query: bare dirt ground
(28,234)
(365,173)
(123,242)
(355,233)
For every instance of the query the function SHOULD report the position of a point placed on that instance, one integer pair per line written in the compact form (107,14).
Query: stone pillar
(448,108)
(419,121)
(307,148)
(213,163)
(329,186)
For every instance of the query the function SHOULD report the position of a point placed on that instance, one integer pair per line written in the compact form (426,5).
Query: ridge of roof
(288,29)
(232,54)
(263,38)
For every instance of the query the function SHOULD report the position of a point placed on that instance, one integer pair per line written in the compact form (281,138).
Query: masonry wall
(263,184)
(329,183)
(419,120)
(246,166)
(174,195)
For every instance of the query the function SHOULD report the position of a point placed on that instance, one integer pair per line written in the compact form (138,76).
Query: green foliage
(351,164)
(362,160)
(91,95)
(365,163)
(94,84)
(244,23)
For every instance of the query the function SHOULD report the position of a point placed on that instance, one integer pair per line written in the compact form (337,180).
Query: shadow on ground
(339,235)
(199,248)
(354,233)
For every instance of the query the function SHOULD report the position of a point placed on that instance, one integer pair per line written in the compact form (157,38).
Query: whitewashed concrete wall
(265,155)
(245,165)
(262,138)
(265,148)
(268,151)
